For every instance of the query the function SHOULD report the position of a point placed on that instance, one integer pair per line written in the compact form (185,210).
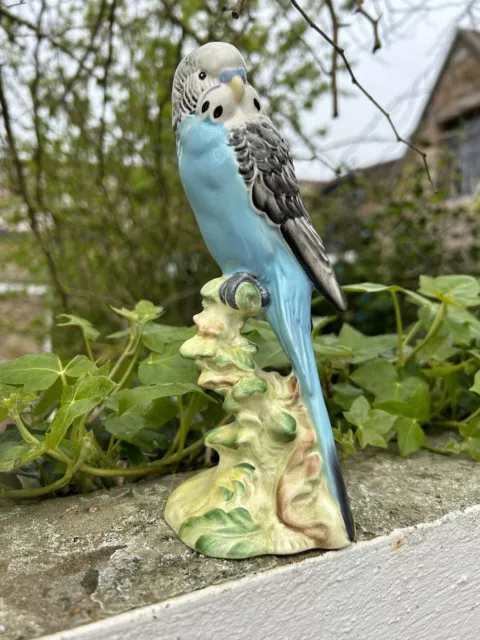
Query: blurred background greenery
(91,202)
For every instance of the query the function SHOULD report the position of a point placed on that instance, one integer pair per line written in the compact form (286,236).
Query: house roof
(471,40)
(383,170)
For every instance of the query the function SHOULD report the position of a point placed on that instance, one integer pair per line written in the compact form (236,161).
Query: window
(463,145)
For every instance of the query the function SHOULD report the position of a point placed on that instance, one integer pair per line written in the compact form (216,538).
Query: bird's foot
(228,290)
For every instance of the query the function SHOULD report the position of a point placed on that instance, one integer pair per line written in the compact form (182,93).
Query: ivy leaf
(79,366)
(3,412)
(162,410)
(261,327)
(472,447)
(364,347)
(156,336)
(346,440)
(325,348)
(127,425)
(14,455)
(166,367)
(438,348)
(476,383)
(372,424)
(270,354)
(320,322)
(149,441)
(147,311)
(36,372)
(460,324)
(143,312)
(77,400)
(155,413)
(138,395)
(378,377)
(83,324)
(452,289)
(453,446)
(470,429)
(345,394)
(409,398)
(410,435)
(417,298)
(359,411)
(49,398)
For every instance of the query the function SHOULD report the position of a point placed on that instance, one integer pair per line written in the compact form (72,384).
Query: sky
(399,76)
(416,36)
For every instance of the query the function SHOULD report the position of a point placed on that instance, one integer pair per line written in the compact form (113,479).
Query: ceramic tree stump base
(268,494)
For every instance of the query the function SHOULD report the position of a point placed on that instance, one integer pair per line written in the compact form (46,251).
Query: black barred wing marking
(267,168)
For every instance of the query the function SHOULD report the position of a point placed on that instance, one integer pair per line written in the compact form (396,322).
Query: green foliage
(144,412)
(388,227)
(96,420)
(97,150)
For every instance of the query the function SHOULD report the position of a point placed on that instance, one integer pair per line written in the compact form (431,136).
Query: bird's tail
(290,318)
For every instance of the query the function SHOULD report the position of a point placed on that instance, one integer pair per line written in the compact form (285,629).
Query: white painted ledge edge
(421,582)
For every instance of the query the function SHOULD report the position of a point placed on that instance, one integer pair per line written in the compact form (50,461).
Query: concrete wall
(418,583)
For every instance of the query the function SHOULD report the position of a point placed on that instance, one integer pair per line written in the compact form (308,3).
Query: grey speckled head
(199,71)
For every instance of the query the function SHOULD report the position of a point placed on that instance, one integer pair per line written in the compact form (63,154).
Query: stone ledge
(73,561)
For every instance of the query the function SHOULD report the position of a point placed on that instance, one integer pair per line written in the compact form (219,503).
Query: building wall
(457,93)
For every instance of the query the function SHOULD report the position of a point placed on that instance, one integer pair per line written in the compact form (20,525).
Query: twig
(341,53)
(238,8)
(106,97)
(22,184)
(334,67)
(377,44)
(69,84)
(4,13)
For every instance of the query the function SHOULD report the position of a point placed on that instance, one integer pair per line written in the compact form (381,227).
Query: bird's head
(212,82)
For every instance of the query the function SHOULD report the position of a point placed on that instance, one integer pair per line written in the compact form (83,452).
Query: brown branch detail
(238,8)
(4,13)
(377,43)
(334,67)
(341,52)
(23,189)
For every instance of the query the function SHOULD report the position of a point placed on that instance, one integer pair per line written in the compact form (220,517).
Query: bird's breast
(236,236)
(205,157)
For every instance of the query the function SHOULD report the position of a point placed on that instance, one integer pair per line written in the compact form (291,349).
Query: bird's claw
(229,288)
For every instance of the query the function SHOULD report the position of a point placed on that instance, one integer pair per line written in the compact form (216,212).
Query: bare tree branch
(377,44)
(238,8)
(4,13)
(23,188)
(70,82)
(341,53)
(334,67)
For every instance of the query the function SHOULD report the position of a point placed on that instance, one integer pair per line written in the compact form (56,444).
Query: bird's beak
(237,86)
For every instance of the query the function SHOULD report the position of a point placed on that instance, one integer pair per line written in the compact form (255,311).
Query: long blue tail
(289,315)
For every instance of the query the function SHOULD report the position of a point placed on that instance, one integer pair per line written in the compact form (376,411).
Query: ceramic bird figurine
(239,178)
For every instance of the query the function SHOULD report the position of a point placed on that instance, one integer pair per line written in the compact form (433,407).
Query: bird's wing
(267,168)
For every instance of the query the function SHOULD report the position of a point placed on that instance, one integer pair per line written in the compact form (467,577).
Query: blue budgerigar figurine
(239,178)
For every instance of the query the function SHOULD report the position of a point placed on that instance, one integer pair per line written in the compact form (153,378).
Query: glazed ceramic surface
(239,177)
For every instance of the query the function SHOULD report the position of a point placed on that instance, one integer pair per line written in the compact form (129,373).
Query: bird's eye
(202,75)
(257,104)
